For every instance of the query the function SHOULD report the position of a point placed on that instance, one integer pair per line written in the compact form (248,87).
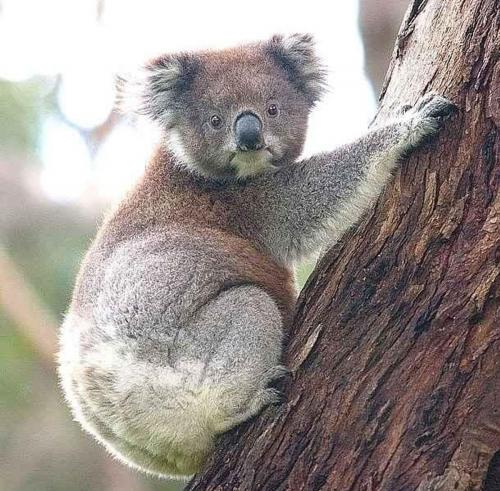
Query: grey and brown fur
(176,325)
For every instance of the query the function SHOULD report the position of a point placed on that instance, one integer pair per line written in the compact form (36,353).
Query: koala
(179,312)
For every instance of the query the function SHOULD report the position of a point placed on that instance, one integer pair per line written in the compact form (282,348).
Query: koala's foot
(426,118)
(277,372)
(262,398)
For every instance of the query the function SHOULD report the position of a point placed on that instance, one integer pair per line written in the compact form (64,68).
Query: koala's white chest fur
(248,164)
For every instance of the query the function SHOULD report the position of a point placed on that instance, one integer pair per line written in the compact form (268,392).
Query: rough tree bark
(395,347)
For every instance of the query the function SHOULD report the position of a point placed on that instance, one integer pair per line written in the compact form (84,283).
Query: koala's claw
(405,108)
(433,105)
(277,372)
(275,396)
(427,117)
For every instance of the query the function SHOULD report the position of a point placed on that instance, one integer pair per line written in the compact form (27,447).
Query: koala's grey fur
(176,323)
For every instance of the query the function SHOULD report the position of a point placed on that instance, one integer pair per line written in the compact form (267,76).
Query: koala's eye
(272,110)
(216,121)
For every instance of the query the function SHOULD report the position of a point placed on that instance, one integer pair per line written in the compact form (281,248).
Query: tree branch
(22,305)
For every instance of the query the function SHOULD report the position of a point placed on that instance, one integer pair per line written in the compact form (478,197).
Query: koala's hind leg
(238,336)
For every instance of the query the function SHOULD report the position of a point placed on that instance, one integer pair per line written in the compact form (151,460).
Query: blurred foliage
(20,116)
(16,364)
(50,254)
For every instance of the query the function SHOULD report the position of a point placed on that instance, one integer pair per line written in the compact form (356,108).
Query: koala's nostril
(248,132)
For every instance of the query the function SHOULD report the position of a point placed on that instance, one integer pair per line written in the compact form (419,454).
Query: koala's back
(150,285)
(155,282)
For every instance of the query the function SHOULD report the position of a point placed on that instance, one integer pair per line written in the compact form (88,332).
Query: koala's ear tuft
(154,90)
(296,56)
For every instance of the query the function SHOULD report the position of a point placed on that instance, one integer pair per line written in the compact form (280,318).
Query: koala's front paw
(427,117)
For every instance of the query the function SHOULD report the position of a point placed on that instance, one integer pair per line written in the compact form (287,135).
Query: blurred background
(66,156)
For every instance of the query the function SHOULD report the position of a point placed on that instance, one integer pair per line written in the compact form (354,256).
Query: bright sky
(63,37)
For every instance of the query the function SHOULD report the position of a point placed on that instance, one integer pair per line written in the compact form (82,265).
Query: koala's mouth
(252,162)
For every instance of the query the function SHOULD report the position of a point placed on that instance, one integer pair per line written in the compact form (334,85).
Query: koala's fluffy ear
(295,55)
(154,90)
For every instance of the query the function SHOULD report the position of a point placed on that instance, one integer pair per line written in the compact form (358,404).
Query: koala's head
(236,112)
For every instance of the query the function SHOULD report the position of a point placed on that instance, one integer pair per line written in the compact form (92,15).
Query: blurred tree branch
(23,306)
(379,23)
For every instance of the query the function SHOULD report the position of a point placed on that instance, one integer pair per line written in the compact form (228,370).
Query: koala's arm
(313,202)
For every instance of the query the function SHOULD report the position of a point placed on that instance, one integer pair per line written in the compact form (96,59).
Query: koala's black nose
(248,132)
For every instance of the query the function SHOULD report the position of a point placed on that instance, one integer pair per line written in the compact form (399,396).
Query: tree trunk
(395,347)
